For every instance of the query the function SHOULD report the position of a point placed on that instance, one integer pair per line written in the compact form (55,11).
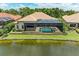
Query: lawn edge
(39,42)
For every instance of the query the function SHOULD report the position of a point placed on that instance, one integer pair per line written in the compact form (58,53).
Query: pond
(38,50)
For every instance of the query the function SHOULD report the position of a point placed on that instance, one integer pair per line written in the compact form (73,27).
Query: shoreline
(39,42)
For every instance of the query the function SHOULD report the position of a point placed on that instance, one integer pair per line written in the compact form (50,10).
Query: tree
(1,10)
(69,12)
(6,11)
(13,11)
(25,11)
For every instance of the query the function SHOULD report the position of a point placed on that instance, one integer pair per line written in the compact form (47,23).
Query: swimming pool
(46,29)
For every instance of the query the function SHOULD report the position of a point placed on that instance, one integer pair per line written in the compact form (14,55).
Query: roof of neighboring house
(5,19)
(74,18)
(13,17)
(36,16)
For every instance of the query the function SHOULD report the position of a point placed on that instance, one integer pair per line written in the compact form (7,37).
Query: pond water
(39,50)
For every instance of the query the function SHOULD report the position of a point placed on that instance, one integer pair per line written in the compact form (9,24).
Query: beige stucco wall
(19,24)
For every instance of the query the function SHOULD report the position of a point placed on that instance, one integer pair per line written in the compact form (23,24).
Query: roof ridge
(35,16)
(32,17)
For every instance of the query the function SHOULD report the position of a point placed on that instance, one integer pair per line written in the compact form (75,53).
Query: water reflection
(38,50)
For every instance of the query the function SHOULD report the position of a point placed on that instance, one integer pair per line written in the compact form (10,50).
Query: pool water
(46,29)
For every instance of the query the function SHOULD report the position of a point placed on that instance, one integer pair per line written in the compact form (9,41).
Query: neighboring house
(39,22)
(13,17)
(72,20)
(4,17)
(3,20)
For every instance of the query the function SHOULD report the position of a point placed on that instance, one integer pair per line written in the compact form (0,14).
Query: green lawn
(70,36)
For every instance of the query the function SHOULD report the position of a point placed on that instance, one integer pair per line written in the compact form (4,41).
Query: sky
(65,6)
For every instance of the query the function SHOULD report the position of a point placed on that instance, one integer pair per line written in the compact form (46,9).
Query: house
(4,17)
(39,22)
(72,20)
(12,17)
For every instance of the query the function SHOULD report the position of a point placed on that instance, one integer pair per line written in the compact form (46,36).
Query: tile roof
(74,18)
(35,16)
(5,19)
(13,17)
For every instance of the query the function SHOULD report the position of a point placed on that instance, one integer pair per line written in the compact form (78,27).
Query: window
(78,25)
(22,26)
(17,26)
(30,26)
(72,25)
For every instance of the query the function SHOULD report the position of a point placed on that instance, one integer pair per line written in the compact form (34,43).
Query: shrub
(65,25)
(5,35)
(77,30)
(14,30)
(1,32)
(8,27)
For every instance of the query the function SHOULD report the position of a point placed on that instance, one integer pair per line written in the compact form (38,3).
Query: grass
(72,35)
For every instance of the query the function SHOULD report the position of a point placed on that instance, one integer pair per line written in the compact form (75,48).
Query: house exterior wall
(1,26)
(23,26)
(73,25)
(19,26)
